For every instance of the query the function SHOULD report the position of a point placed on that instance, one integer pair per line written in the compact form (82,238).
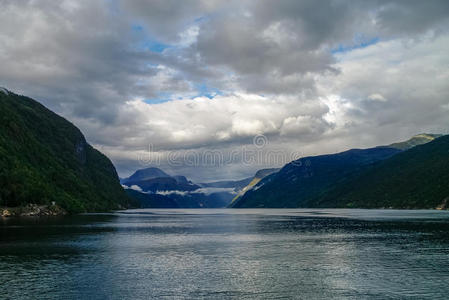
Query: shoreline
(32,210)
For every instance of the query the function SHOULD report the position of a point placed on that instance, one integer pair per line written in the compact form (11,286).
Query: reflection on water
(222,254)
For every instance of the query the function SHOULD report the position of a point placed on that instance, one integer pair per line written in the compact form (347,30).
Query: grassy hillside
(45,158)
(417,178)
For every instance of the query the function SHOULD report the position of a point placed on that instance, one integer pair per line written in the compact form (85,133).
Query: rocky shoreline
(32,210)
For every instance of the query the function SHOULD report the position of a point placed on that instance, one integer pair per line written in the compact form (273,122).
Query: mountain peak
(416,140)
(3,90)
(265,172)
(145,174)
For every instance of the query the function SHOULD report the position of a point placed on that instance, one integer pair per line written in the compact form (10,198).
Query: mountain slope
(45,158)
(235,184)
(307,177)
(144,200)
(163,184)
(145,174)
(254,180)
(417,178)
(177,191)
(416,140)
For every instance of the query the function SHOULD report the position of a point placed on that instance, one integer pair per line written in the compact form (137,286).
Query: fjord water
(227,254)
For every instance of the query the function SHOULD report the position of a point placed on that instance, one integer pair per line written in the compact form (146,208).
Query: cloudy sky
(173,83)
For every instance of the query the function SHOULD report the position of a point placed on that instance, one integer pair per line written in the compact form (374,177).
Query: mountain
(300,181)
(235,184)
(307,177)
(419,139)
(161,184)
(143,200)
(181,179)
(416,178)
(201,200)
(177,191)
(145,174)
(155,180)
(45,158)
(254,180)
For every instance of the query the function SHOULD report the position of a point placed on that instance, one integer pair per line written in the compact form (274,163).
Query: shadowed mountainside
(45,158)
(417,178)
(298,183)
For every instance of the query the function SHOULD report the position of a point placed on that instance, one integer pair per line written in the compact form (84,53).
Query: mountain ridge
(416,178)
(304,179)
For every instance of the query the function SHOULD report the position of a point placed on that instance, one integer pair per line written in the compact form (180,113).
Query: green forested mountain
(301,183)
(416,178)
(45,158)
(306,178)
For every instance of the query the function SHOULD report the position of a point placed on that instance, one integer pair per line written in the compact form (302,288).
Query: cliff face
(44,159)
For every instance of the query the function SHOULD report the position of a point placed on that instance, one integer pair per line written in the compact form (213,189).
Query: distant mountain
(143,200)
(417,178)
(419,139)
(307,177)
(177,189)
(265,172)
(179,199)
(254,180)
(155,180)
(235,184)
(145,174)
(182,180)
(163,184)
(45,158)
(301,181)
(202,200)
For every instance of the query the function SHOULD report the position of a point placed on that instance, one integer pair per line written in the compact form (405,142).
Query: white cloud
(390,90)
(377,97)
(211,190)
(267,66)
(194,122)
(168,193)
(133,187)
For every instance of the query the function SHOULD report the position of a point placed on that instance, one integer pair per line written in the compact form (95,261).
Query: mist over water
(227,254)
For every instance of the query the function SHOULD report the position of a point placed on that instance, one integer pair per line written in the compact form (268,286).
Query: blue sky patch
(205,91)
(358,45)
(160,98)
(146,41)
(155,46)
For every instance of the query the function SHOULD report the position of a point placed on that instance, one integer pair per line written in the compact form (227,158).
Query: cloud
(168,193)
(210,190)
(133,187)
(209,75)
(391,90)
(377,97)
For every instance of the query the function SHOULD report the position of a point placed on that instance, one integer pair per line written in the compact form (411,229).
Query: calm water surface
(227,254)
